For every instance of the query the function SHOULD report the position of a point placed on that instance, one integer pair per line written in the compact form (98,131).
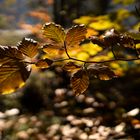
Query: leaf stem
(104,61)
(65,47)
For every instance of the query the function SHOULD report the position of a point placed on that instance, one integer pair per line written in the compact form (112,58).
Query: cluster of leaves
(15,62)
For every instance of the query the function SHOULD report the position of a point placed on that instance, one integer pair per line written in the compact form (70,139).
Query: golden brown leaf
(75,35)
(13,72)
(28,47)
(14,65)
(55,33)
(53,49)
(44,63)
(80,82)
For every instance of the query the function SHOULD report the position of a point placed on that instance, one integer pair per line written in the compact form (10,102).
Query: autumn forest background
(46,107)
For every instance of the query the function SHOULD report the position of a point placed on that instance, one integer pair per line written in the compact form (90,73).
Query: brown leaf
(75,35)
(71,66)
(13,72)
(55,33)
(80,82)
(28,47)
(44,63)
(14,65)
(100,71)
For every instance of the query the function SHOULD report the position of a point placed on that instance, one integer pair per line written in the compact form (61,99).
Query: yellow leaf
(91,48)
(55,33)
(101,25)
(80,82)
(82,55)
(83,20)
(91,32)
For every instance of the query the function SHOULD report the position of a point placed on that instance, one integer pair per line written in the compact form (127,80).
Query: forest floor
(107,111)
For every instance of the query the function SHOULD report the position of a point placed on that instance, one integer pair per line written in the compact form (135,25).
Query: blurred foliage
(125,2)
(5,21)
(108,110)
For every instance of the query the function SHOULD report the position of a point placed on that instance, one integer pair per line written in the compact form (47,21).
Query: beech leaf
(44,63)
(28,47)
(52,49)
(54,32)
(13,72)
(75,35)
(80,82)
(15,65)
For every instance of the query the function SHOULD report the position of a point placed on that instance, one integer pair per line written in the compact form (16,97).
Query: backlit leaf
(13,72)
(71,66)
(8,54)
(83,20)
(44,63)
(28,47)
(14,65)
(53,49)
(75,35)
(55,33)
(80,82)
(100,71)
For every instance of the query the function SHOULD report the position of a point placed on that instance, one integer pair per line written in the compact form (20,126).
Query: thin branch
(111,60)
(83,61)
(113,53)
(59,60)
(104,61)
(65,47)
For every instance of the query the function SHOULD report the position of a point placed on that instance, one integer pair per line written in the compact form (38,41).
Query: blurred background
(46,107)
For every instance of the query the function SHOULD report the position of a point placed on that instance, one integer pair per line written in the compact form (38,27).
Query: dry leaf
(75,35)
(55,33)
(44,63)
(28,47)
(14,66)
(80,82)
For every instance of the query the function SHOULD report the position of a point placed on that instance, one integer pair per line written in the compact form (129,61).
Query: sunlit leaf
(91,31)
(80,82)
(75,35)
(55,33)
(101,23)
(83,20)
(44,63)
(13,71)
(71,66)
(91,48)
(53,49)
(28,47)
(101,71)
(83,55)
